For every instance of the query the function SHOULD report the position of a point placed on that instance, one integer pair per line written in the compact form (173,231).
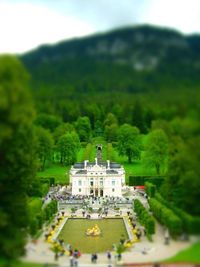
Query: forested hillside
(148,58)
(112,68)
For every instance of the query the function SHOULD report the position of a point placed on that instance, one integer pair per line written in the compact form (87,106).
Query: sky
(27,24)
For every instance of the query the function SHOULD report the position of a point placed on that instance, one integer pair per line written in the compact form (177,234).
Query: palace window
(113,183)
(79,182)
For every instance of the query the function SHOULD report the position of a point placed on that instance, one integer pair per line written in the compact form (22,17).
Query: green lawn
(60,173)
(137,167)
(19,264)
(191,255)
(74,233)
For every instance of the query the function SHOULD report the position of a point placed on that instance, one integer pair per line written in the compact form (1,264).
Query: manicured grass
(74,233)
(60,173)
(19,264)
(137,167)
(191,255)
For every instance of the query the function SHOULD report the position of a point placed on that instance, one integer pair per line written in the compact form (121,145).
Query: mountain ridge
(129,59)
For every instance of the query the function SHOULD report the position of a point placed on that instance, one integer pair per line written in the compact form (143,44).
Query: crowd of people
(63,193)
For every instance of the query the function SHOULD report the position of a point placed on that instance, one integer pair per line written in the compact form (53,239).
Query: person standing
(71,261)
(76,262)
(76,253)
(92,258)
(167,237)
(109,256)
(95,257)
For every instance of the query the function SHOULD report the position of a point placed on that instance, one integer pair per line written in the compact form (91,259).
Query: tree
(182,185)
(111,127)
(110,119)
(93,112)
(156,153)
(47,121)
(110,132)
(129,142)
(148,118)
(118,112)
(138,117)
(45,144)
(98,128)
(83,128)
(68,146)
(17,155)
(61,130)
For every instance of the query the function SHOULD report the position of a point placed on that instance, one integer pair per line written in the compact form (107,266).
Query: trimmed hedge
(41,216)
(191,224)
(34,206)
(141,180)
(144,217)
(47,180)
(166,217)
(150,189)
(136,180)
(34,226)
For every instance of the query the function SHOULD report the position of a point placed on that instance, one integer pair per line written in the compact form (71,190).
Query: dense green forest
(135,89)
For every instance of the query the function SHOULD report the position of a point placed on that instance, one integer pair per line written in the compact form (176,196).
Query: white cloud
(183,15)
(24,26)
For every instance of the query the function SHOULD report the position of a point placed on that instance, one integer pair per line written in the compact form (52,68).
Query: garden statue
(94,231)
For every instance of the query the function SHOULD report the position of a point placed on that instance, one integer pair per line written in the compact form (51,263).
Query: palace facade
(97,178)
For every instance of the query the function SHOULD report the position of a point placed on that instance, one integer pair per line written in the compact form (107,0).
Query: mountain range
(133,59)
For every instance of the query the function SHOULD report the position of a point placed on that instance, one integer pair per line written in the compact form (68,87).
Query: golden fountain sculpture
(94,231)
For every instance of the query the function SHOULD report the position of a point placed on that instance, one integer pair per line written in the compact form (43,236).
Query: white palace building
(97,178)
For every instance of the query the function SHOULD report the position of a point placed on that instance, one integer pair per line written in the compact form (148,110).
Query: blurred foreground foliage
(17,155)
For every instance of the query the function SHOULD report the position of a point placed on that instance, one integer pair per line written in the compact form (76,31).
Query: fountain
(94,231)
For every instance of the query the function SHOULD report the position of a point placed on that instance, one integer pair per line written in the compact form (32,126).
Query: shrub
(40,220)
(34,226)
(156,180)
(34,206)
(44,189)
(190,224)
(50,210)
(141,180)
(144,217)
(38,215)
(150,189)
(150,225)
(136,180)
(51,181)
(166,216)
